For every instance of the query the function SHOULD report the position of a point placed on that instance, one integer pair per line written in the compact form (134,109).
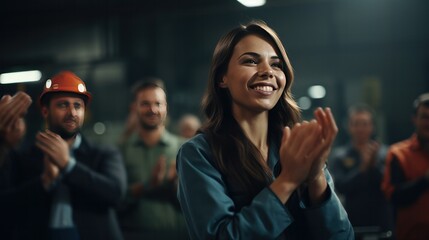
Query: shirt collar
(163,141)
(77,142)
(164,138)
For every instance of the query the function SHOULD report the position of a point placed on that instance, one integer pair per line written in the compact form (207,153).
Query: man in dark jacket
(79,183)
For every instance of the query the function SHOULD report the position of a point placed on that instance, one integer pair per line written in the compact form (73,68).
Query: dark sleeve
(352,181)
(405,192)
(19,184)
(103,182)
(24,203)
(19,195)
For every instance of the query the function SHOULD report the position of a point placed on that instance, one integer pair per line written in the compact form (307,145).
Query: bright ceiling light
(317,91)
(252,3)
(20,77)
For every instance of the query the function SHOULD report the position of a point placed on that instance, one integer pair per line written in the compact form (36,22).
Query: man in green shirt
(151,209)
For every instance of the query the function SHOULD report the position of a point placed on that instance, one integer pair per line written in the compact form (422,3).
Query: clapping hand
(303,153)
(11,109)
(55,147)
(369,155)
(298,151)
(159,173)
(329,132)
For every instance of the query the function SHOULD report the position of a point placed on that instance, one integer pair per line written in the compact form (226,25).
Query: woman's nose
(265,70)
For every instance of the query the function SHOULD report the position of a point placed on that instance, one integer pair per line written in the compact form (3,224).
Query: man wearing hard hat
(81,182)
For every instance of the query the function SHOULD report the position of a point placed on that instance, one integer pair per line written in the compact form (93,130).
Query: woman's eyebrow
(254,54)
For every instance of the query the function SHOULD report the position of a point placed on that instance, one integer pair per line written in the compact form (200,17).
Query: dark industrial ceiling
(45,8)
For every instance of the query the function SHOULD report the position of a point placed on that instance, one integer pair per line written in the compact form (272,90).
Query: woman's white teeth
(264,88)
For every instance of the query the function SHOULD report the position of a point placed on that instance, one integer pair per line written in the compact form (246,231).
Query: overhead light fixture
(317,91)
(20,77)
(252,3)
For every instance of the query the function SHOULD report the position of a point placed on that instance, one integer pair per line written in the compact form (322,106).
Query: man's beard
(64,134)
(150,127)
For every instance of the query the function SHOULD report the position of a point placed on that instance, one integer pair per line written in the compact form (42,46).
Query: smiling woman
(254,76)
(256,171)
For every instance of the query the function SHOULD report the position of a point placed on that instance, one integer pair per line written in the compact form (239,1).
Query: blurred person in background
(150,209)
(256,171)
(357,169)
(406,179)
(132,124)
(12,132)
(189,125)
(76,184)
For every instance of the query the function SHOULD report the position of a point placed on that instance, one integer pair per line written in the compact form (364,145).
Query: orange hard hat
(65,81)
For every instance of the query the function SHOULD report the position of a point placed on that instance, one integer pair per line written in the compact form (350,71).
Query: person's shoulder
(401,145)
(197,140)
(197,143)
(172,138)
(89,145)
(195,151)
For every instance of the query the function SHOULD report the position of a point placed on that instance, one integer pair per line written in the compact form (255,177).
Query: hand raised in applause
(369,155)
(299,149)
(303,153)
(329,131)
(56,148)
(11,109)
(316,180)
(158,174)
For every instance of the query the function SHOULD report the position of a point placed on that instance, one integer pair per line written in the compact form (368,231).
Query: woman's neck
(255,127)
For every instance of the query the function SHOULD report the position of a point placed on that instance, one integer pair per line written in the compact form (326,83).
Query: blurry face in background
(360,127)
(14,137)
(421,122)
(189,126)
(65,114)
(151,108)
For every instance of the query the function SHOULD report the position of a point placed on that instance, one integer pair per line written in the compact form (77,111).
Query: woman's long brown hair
(234,154)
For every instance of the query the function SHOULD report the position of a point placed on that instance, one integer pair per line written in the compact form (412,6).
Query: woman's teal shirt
(215,209)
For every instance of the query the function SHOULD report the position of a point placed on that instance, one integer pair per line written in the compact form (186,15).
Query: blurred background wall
(371,51)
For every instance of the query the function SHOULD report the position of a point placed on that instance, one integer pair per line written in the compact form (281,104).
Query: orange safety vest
(412,222)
